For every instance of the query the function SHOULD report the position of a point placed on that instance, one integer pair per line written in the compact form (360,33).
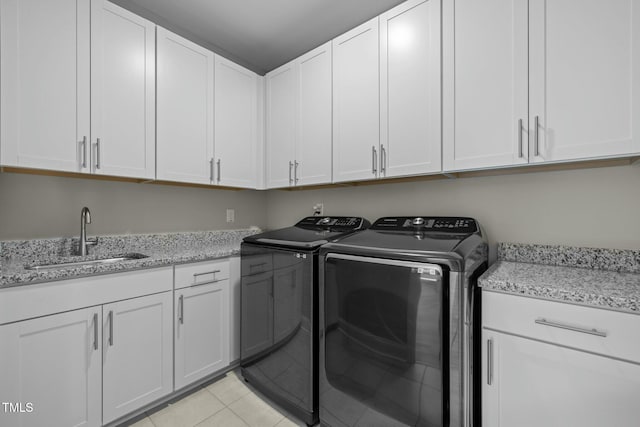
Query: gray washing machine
(397,308)
(279,310)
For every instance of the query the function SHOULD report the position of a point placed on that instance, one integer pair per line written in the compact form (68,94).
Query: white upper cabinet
(122,92)
(236,126)
(584,83)
(485,110)
(299,121)
(184,148)
(410,95)
(313,147)
(44,84)
(519,87)
(356,103)
(281,125)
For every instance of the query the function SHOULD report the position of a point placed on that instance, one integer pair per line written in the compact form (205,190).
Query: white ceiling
(259,34)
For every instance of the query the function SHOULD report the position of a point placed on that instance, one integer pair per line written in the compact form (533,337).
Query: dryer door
(384,330)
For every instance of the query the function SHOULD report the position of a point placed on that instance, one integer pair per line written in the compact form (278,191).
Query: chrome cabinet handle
(383,160)
(295,171)
(489,361)
(110,328)
(590,331)
(98,153)
(374,160)
(536,136)
(290,167)
(520,153)
(84,152)
(218,171)
(95,331)
(181,309)
(211,170)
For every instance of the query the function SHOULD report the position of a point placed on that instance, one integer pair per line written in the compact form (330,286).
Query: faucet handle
(91,241)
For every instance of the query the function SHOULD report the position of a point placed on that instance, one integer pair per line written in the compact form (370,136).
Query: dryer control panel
(459,225)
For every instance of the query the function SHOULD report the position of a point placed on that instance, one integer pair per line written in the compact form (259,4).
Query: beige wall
(588,207)
(34,206)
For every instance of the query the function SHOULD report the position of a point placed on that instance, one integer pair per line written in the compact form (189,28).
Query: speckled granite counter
(161,249)
(604,278)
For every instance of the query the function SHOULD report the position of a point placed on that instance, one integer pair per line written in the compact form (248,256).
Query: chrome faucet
(85,218)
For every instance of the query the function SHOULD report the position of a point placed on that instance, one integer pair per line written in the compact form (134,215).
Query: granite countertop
(161,250)
(602,278)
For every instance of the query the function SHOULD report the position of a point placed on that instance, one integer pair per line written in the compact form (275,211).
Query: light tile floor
(227,402)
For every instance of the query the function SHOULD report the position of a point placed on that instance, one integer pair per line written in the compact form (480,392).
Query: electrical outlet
(318,209)
(231,215)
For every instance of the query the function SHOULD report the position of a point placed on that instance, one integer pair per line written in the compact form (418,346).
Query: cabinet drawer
(570,325)
(201,273)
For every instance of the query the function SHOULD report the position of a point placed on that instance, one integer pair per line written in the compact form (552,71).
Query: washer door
(384,358)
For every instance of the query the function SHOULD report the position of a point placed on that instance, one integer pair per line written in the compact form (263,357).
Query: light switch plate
(231,215)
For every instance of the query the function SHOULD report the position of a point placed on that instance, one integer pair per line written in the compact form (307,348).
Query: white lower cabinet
(556,365)
(50,369)
(65,366)
(137,353)
(201,331)
(538,384)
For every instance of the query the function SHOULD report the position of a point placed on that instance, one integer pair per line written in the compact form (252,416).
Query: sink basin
(111,260)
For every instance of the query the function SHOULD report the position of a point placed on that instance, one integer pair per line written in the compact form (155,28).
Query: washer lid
(310,232)
(425,239)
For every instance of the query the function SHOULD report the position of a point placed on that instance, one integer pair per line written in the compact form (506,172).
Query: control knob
(417,222)
(325,220)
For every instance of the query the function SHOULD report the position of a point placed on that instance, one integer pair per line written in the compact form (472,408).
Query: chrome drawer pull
(181,309)
(590,331)
(203,274)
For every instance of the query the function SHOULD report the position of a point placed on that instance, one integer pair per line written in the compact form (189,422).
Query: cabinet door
(356,104)
(184,110)
(236,127)
(313,148)
(534,384)
(257,314)
(201,331)
(44,84)
(122,92)
(281,125)
(585,83)
(54,364)
(410,136)
(484,83)
(137,355)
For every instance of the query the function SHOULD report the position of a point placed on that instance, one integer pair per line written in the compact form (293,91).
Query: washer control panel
(333,222)
(460,225)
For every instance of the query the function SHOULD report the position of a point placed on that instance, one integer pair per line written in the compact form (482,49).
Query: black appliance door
(383,358)
(276,352)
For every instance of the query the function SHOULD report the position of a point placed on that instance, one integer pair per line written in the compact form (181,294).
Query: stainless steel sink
(111,260)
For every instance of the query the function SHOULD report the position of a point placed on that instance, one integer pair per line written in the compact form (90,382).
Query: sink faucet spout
(85,218)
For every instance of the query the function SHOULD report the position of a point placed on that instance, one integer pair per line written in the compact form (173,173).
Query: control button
(325,220)
(418,221)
